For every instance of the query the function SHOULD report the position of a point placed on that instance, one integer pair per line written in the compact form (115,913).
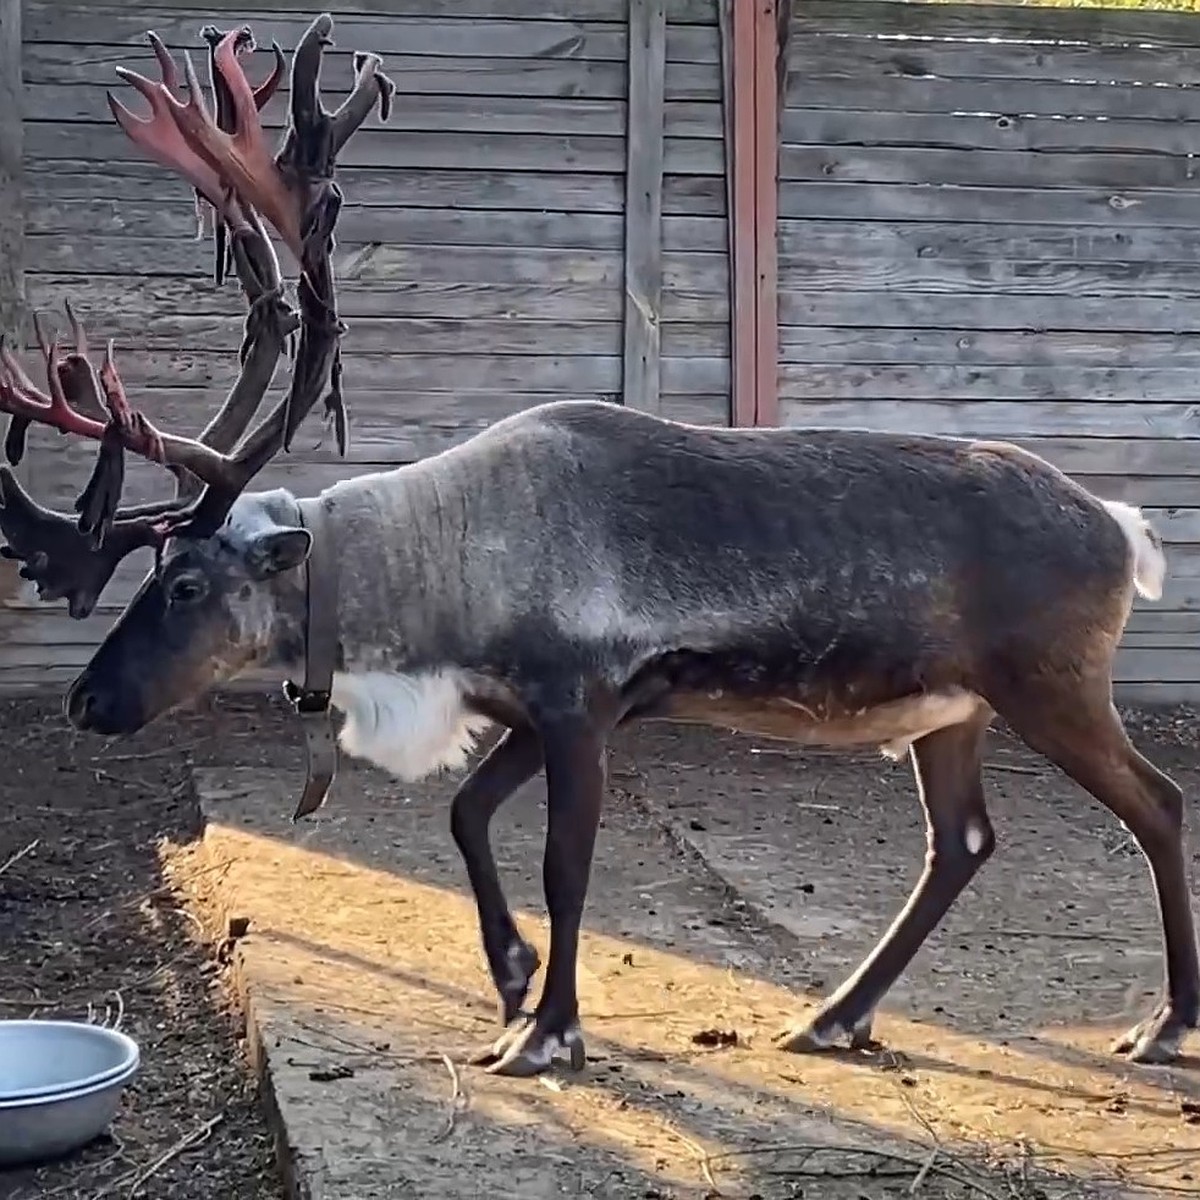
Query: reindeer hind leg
(1074,724)
(948,768)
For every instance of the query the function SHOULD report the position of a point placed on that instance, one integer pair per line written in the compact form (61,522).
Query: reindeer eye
(187,589)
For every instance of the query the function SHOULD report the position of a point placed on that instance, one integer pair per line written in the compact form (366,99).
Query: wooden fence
(988,224)
(1001,237)
(481,256)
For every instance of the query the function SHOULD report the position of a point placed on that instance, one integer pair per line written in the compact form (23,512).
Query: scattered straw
(13,859)
(456,1099)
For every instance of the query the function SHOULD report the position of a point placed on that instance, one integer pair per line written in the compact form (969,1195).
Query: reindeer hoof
(820,1035)
(529,1047)
(1156,1040)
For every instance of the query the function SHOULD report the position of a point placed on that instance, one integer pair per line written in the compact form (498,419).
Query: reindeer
(581,566)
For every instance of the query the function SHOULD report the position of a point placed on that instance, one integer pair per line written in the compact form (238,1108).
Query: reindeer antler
(226,161)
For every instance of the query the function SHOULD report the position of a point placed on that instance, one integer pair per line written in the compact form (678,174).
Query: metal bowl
(48,1058)
(37,1128)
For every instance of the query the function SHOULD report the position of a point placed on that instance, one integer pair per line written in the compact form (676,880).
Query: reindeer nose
(79,704)
(89,710)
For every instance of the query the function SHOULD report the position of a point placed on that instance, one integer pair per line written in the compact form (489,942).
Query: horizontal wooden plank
(163,371)
(1072,206)
(1081,456)
(1037,22)
(970,240)
(1183,562)
(903,382)
(146,299)
(988,311)
(980,348)
(815,270)
(414,74)
(378,264)
(96,25)
(1153,491)
(558,191)
(362,224)
(1152,626)
(1177,665)
(1017,418)
(166,330)
(1158,696)
(388,428)
(391,150)
(696,12)
(820,56)
(970,168)
(916,94)
(960,130)
(424,112)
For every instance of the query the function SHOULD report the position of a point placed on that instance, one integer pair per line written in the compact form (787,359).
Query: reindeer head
(210,608)
(216,607)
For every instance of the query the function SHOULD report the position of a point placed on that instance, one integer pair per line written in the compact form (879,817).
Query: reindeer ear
(277,551)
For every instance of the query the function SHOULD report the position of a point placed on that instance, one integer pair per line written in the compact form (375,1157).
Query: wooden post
(783,35)
(644,121)
(728,147)
(12,200)
(740,161)
(751,46)
(12,233)
(766,207)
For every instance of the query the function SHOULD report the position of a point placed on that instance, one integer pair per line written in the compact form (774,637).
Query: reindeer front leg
(512,961)
(574,755)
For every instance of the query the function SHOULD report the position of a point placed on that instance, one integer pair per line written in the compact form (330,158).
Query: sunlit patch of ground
(363,972)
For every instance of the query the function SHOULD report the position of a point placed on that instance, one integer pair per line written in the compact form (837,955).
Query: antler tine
(371,87)
(226,116)
(242,159)
(159,136)
(63,562)
(21,399)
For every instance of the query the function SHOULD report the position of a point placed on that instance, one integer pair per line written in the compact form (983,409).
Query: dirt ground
(1049,952)
(91,928)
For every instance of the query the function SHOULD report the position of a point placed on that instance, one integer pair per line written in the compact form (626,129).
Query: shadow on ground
(729,882)
(90,928)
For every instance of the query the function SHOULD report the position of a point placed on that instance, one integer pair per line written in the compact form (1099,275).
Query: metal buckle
(306,701)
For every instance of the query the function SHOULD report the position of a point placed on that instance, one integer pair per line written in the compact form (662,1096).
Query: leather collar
(311,699)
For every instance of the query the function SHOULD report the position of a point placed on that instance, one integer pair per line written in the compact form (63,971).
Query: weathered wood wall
(481,254)
(1003,238)
(12,215)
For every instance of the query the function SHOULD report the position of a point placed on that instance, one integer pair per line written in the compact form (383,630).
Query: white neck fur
(410,725)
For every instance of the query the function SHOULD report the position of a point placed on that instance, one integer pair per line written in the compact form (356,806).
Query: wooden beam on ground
(12,208)
(644,142)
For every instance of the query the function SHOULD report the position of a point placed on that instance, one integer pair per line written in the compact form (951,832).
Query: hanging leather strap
(311,700)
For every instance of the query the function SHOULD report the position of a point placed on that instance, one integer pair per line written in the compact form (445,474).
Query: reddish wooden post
(739,162)
(751,96)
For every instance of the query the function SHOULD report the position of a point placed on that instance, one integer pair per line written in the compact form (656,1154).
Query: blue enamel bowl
(60,1086)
